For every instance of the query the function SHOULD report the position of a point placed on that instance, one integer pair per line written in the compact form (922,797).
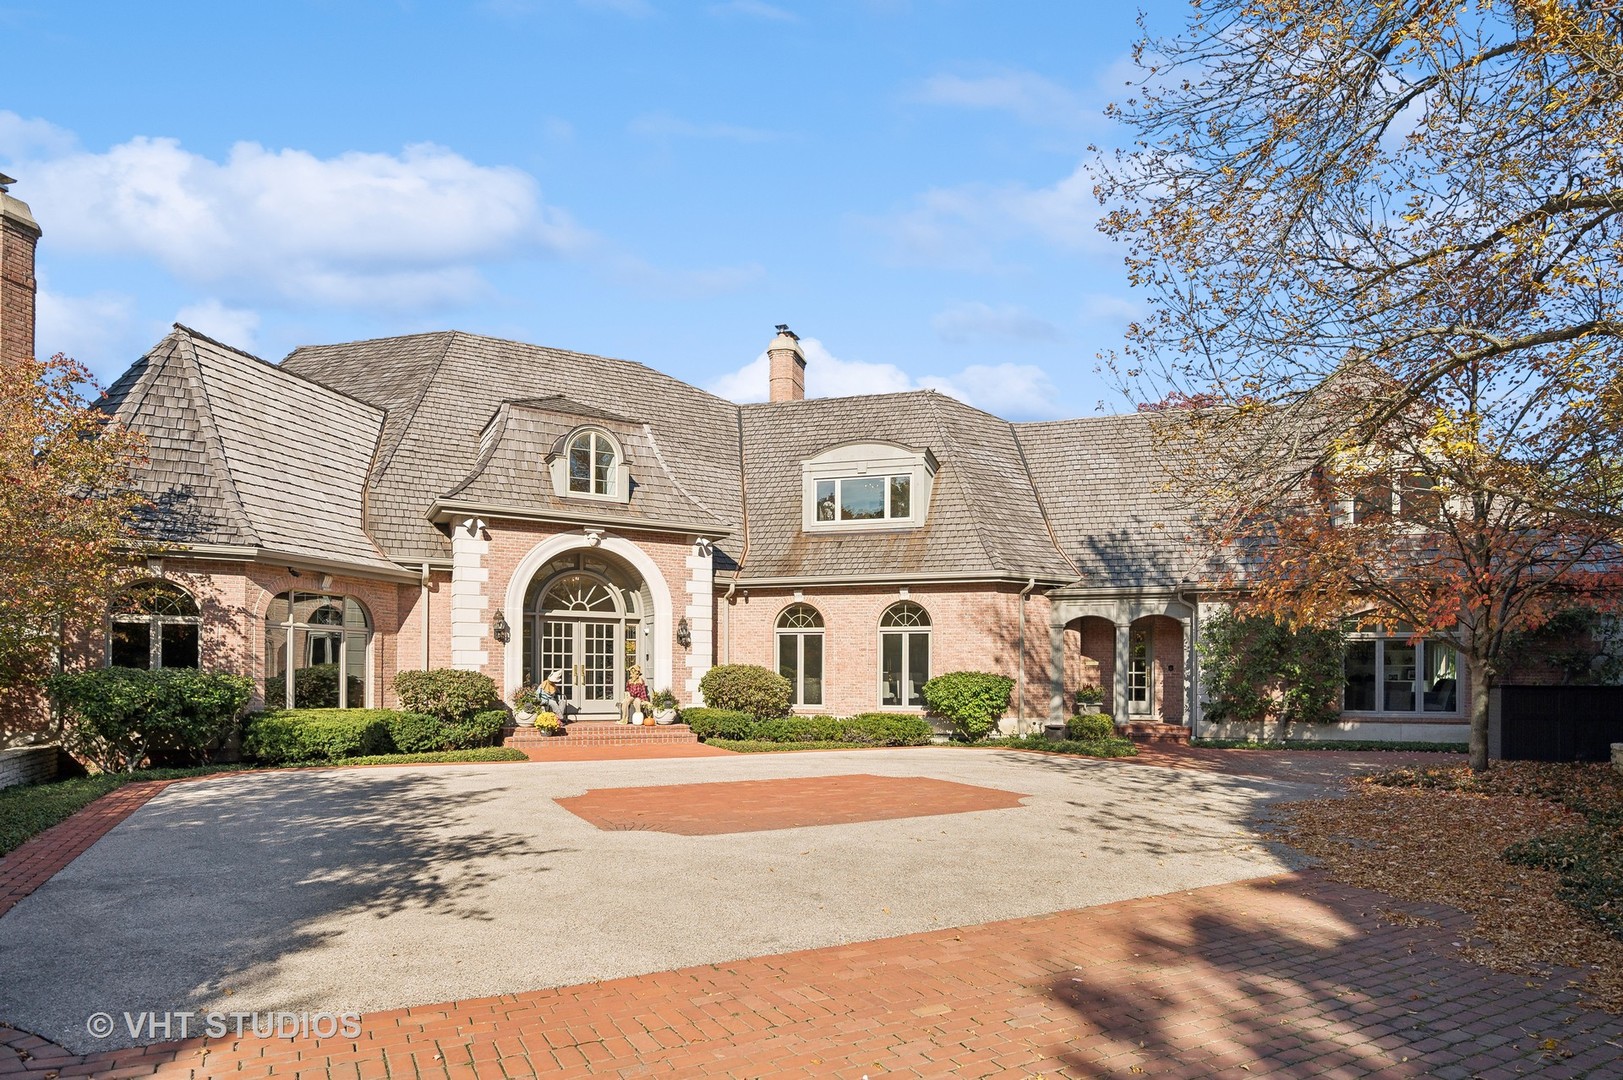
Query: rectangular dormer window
(865,498)
(867,485)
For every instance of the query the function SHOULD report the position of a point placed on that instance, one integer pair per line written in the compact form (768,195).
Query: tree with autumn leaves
(66,495)
(1380,243)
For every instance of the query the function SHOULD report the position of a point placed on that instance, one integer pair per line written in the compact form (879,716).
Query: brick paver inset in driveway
(789,803)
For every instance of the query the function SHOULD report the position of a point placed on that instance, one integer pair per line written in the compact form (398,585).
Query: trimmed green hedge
(447,693)
(719,723)
(971,701)
(1085,726)
(865,729)
(317,734)
(747,688)
(118,718)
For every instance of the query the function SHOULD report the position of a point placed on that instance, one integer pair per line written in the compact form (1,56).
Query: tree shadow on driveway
(216,882)
(1302,979)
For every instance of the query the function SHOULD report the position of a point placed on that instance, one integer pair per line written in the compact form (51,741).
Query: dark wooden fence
(1560,723)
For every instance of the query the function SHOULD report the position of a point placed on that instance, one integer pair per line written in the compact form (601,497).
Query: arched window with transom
(800,652)
(322,641)
(904,654)
(594,461)
(154,625)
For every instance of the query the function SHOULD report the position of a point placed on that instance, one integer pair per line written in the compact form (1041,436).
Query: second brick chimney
(788,366)
(19,232)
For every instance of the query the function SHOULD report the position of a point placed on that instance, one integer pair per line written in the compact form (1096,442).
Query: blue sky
(905,182)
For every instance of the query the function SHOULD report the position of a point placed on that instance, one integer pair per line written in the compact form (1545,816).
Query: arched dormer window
(904,654)
(590,463)
(594,461)
(800,652)
(154,625)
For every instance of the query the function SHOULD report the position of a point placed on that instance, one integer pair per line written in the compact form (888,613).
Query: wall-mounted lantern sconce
(499,627)
(684,636)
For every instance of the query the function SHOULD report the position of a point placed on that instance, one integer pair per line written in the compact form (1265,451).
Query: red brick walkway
(1290,976)
(31,865)
(760,805)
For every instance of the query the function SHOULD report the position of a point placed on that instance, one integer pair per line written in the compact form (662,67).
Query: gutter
(248,553)
(441,510)
(893,579)
(1024,593)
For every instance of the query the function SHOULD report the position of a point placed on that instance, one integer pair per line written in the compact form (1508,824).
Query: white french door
(585,651)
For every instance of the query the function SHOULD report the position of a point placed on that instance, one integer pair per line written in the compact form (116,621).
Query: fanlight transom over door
(589,628)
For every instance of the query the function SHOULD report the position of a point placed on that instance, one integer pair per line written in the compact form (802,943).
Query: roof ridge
(1042,507)
(213,444)
(498,423)
(246,355)
(381,465)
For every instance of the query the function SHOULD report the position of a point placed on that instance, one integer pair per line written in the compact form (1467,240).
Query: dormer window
(865,498)
(867,485)
(589,463)
(593,458)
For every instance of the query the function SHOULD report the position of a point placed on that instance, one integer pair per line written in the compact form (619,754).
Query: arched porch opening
(588,611)
(1090,660)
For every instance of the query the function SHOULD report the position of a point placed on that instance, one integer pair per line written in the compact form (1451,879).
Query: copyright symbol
(100,1025)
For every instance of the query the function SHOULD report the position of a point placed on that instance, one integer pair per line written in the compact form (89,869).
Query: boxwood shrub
(971,701)
(313,688)
(747,688)
(886,729)
(447,693)
(1085,726)
(719,723)
(118,718)
(296,735)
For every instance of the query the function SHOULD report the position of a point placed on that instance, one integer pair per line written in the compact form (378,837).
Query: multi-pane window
(154,625)
(904,654)
(592,461)
(321,641)
(800,652)
(1391,673)
(864,498)
(1138,671)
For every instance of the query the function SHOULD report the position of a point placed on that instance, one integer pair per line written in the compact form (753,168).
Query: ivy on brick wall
(1260,671)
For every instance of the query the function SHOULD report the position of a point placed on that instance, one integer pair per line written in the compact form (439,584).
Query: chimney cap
(784,331)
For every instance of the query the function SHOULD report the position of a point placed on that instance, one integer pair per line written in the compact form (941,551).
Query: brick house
(447,499)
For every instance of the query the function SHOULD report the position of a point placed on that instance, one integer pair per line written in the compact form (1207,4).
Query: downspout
(1031,583)
(727,626)
(1191,658)
(423,592)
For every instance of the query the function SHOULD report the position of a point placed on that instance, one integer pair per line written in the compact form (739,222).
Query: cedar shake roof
(1107,495)
(341,452)
(441,391)
(983,518)
(245,454)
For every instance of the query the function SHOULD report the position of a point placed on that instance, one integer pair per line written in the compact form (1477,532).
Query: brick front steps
(1148,731)
(600,733)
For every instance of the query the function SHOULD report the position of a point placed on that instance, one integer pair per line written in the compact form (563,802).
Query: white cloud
(754,9)
(964,322)
(1024,94)
(1011,390)
(1014,391)
(963,226)
(24,139)
(361,229)
(96,330)
(234,326)
(662,125)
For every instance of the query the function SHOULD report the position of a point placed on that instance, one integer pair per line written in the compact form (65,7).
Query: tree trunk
(1481,684)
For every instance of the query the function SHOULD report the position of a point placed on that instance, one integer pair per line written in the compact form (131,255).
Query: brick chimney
(788,365)
(19,232)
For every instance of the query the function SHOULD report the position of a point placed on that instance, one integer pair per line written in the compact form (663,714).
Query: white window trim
(928,630)
(1380,637)
(368,690)
(867,460)
(155,625)
(619,474)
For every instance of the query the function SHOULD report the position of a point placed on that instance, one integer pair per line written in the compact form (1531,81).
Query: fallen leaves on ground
(1439,838)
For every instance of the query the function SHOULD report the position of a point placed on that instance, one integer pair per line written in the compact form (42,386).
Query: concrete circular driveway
(367,889)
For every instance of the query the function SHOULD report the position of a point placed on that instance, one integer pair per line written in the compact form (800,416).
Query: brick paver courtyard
(1285,976)
(790,803)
